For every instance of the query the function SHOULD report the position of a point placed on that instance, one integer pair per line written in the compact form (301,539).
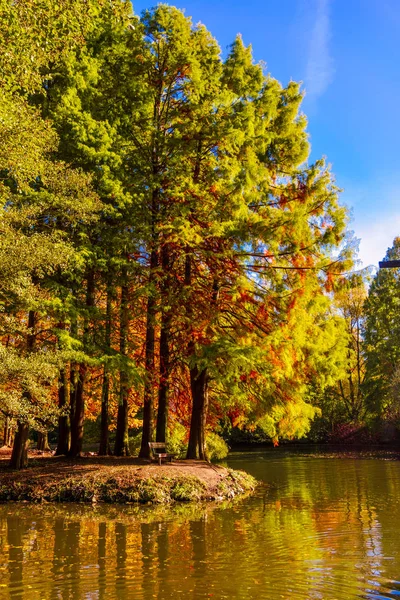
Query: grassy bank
(97,480)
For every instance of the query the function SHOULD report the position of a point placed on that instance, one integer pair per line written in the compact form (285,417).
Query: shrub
(177,443)
(217,448)
(187,489)
(134,443)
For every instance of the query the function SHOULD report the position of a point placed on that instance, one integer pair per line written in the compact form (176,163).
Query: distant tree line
(364,404)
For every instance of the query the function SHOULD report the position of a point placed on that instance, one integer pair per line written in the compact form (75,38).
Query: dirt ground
(43,465)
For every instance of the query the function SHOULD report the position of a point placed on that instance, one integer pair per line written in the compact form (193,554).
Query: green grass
(123,488)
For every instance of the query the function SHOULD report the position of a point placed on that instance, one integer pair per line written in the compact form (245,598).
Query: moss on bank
(122,484)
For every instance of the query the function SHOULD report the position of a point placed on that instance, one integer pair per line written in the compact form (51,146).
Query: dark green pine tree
(77,100)
(382,340)
(37,194)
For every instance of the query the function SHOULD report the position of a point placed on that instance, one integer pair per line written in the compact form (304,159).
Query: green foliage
(39,32)
(237,483)
(26,376)
(152,190)
(124,485)
(177,439)
(217,448)
(188,489)
(134,443)
(382,340)
(344,401)
(40,199)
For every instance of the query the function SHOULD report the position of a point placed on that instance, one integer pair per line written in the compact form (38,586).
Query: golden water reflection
(329,529)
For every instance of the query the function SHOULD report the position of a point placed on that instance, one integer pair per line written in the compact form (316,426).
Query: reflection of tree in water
(326,534)
(163,550)
(198,535)
(148,541)
(58,555)
(15,556)
(120,547)
(370,532)
(66,559)
(101,559)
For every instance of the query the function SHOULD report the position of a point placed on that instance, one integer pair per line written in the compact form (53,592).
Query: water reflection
(15,556)
(326,530)
(101,560)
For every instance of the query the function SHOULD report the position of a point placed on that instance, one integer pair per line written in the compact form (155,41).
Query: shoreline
(111,480)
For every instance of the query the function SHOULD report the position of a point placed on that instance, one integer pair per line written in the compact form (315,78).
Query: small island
(94,479)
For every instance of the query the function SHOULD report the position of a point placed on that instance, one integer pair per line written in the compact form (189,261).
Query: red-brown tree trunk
(63,442)
(163,390)
(19,455)
(78,409)
(122,434)
(78,413)
(7,432)
(199,389)
(42,442)
(104,448)
(147,435)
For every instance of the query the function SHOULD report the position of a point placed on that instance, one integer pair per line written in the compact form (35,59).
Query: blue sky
(347,54)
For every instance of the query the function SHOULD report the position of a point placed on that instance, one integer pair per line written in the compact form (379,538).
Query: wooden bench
(158,452)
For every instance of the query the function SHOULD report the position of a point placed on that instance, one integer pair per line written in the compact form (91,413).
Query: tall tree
(274,224)
(33,188)
(382,335)
(349,391)
(77,101)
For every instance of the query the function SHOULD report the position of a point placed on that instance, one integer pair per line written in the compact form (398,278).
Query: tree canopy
(168,251)
(382,330)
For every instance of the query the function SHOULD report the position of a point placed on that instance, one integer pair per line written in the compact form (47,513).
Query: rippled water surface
(329,528)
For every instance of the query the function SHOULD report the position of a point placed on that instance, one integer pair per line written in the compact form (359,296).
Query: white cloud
(376,237)
(319,72)
(375,215)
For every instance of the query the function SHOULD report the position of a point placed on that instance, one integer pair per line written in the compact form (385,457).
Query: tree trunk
(78,412)
(63,443)
(198,379)
(19,456)
(104,448)
(147,434)
(203,454)
(198,385)
(7,432)
(122,436)
(121,447)
(73,386)
(43,442)
(163,390)
(162,412)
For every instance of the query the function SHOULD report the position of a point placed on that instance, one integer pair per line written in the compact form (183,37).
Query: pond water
(327,529)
